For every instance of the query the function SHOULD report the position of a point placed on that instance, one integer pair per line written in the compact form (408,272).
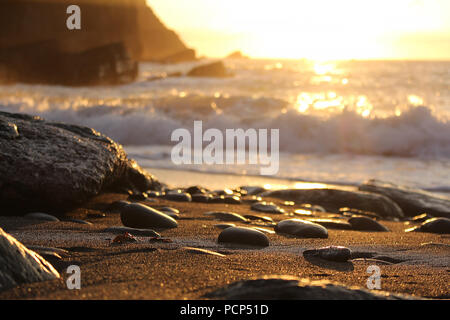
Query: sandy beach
(410,263)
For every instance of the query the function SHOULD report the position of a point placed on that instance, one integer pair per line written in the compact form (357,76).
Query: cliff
(103,22)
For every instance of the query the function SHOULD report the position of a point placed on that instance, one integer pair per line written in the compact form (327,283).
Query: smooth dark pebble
(243,236)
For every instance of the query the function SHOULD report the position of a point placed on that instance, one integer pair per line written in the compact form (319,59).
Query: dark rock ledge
(55,167)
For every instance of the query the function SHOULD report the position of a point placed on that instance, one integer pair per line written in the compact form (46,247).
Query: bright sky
(319,29)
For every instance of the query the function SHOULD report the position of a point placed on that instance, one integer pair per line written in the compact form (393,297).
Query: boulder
(334,199)
(46,63)
(412,201)
(213,70)
(54,167)
(20,265)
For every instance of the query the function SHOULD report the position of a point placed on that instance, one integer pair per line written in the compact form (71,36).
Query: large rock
(52,167)
(291,288)
(213,70)
(131,22)
(46,63)
(20,265)
(333,199)
(412,201)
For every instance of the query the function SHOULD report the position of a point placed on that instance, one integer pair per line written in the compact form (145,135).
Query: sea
(340,122)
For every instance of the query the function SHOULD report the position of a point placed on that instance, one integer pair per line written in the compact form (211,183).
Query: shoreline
(411,263)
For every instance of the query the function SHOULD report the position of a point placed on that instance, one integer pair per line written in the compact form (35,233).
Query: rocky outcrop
(213,70)
(46,63)
(103,22)
(334,199)
(412,201)
(52,167)
(291,288)
(20,265)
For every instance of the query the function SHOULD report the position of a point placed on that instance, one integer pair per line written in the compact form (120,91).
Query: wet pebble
(332,224)
(303,212)
(226,216)
(258,218)
(41,216)
(224,225)
(202,198)
(331,253)
(312,207)
(434,225)
(132,231)
(421,218)
(352,211)
(366,224)
(268,207)
(301,228)
(117,205)
(96,215)
(195,190)
(253,190)
(171,212)
(178,196)
(243,236)
(139,196)
(251,199)
(139,216)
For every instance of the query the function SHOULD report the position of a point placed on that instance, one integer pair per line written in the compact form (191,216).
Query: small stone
(253,190)
(312,207)
(301,228)
(268,207)
(195,190)
(153,194)
(434,225)
(243,236)
(203,198)
(41,216)
(331,253)
(224,192)
(345,211)
(139,216)
(96,215)
(224,225)
(141,196)
(332,224)
(117,205)
(421,218)
(289,203)
(366,224)
(178,196)
(132,231)
(258,218)
(226,216)
(251,199)
(232,200)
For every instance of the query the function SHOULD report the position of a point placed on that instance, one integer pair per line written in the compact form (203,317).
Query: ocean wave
(417,132)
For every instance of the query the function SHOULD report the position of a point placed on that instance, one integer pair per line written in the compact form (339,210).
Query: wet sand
(411,263)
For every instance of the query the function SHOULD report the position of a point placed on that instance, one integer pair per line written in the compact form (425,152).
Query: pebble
(332,224)
(226,216)
(264,230)
(331,253)
(203,198)
(312,207)
(138,196)
(195,190)
(433,225)
(224,225)
(301,228)
(421,217)
(153,194)
(352,211)
(96,215)
(268,207)
(303,212)
(243,236)
(258,218)
(41,216)
(132,231)
(117,205)
(140,216)
(178,196)
(251,199)
(252,190)
(171,212)
(366,224)
(232,200)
